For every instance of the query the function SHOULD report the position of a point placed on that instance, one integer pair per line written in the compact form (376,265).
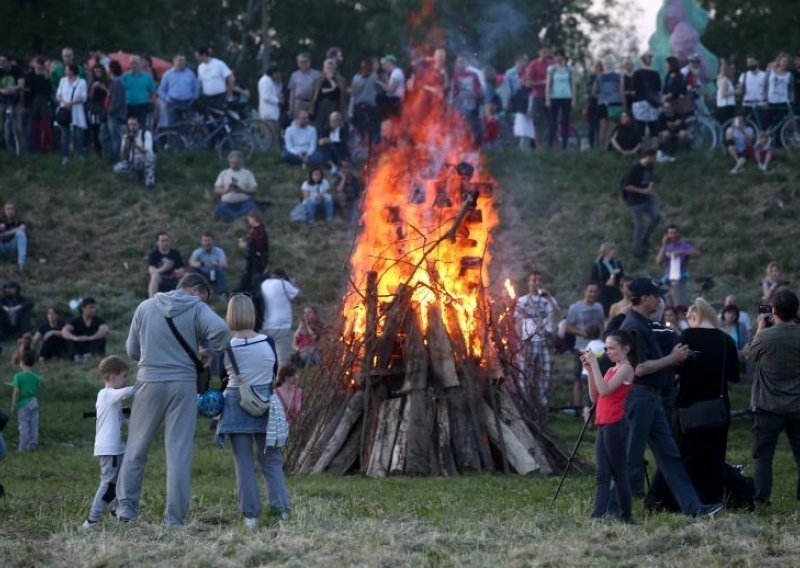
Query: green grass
(94,233)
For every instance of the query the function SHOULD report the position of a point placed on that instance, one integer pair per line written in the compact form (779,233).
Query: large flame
(416,228)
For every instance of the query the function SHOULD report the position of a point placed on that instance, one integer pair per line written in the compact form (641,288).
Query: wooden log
(346,458)
(352,413)
(420,432)
(440,349)
(371,296)
(462,438)
(510,414)
(388,345)
(316,445)
(385,436)
(518,456)
(415,356)
(400,451)
(444,452)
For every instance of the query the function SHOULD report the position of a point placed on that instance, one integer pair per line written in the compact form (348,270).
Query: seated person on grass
(333,141)
(15,312)
(49,338)
(348,188)
(626,138)
(165,266)
(301,143)
(673,133)
(236,187)
(136,155)
(316,192)
(12,234)
(739,143)
(86,334)
(211,262)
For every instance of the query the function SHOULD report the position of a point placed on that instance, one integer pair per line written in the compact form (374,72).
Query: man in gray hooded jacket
(167,390)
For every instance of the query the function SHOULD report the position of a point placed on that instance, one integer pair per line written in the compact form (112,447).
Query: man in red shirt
(536,79)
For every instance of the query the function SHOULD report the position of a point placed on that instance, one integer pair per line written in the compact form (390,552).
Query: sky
(648,20)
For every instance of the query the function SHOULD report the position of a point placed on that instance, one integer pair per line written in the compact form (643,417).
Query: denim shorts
(235,420)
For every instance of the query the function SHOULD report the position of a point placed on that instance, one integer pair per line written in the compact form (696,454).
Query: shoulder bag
(249,400)
(203,372)
(63,114)
(711,413)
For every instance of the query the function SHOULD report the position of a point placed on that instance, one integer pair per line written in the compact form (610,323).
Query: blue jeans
(28,419)
(642,233)
(232,211)
(612,463)
(314,159)
(271,465)
(18,244)
(649,425)
(312,204)
(179,111)
(72,134)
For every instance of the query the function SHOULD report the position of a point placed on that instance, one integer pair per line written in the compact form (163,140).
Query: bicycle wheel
(790,134)
(240,141)
(263,133)
(169,141)
(704,135)
(724,128)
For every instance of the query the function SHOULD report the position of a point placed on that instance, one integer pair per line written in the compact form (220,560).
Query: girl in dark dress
(607,274)
(95,108)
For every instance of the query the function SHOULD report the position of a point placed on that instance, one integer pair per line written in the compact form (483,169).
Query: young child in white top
(109,446)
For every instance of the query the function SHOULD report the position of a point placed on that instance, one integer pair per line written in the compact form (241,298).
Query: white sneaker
(249,523)
(660,157)
(87,524)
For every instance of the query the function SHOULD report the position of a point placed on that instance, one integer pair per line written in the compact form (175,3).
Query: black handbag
(707,414)
(203,372)
(64,115)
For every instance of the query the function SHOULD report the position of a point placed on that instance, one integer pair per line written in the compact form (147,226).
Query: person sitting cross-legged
(136,154)
(12,234)
(165,266)
(315,192)
(210,261)
(301,143)
(236,187)
(86,334)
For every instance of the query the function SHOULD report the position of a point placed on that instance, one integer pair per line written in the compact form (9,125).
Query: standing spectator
(644,407)
(49,338)
(316,191)
(117,109)
(98,57)
(674,255)
(524,130)
(646,100)
(560,98)
(622,307)
(278,292)
(364,92)
(638,190)
(96,105)
(71,94)
(37,98)
(796,84)
(216,79)
(627,84)
(167,391)
(86,334)
(335,53)
(256,252)
(753,89)
(607,273)
(591,111)
(393,89)
(179,89)
(164,265)
(270,99)
(726,93)
(466,96)
(140,91)
(490,124)
(301,143)
(773,281)
(333,141)
(695,78)
(762,150)
(775,351)
(12,86)
(25,404)
(780,85)
(328,95)
(136,154)
(739,139)
(625,138)
(236,187)
(13,235)
(15,312)
(610,93)
(581,316)
(301,85)
(535,315)
(732,325)
(674,81)
(210,261)
(109,446)
(256,362)
(536,79)
(59,70)
(513,80)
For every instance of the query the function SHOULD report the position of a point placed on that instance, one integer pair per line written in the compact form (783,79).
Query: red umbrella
(160,65)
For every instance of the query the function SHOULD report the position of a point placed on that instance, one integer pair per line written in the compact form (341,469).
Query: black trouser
(558,119)
(767,426)
(611,454)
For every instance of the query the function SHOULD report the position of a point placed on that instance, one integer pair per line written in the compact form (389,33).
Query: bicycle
(787,130)
(219,130)
(10,134)
(266,134)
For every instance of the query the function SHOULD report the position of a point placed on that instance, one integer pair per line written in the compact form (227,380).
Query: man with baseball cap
(644,409)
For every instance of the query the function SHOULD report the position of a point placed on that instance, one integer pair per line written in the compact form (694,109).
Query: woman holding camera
(713,363)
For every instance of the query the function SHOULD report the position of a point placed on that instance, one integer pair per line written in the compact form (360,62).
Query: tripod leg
(573,454)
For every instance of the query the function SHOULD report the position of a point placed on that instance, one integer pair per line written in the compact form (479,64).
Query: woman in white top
(71,95)
(315,191)
(256,360)
(726,93)
(269,101)
(780,82)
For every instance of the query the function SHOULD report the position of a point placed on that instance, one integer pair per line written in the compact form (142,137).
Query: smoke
(491,28)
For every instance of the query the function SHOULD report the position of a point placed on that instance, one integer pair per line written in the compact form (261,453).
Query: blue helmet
(210,403)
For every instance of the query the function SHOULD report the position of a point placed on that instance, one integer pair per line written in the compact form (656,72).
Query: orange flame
(420,225)
(510,289)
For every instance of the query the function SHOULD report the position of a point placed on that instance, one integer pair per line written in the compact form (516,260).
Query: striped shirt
(776,380)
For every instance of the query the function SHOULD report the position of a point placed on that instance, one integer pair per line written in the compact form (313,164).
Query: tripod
(574,453)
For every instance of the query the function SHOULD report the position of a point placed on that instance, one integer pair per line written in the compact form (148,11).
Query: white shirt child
(108,433)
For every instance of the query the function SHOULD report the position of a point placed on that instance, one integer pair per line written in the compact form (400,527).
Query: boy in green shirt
(25,404)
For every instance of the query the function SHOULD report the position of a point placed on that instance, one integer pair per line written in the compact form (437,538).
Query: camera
(765,308)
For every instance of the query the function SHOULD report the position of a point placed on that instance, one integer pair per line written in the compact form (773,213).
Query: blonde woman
(773,279)
(726,93)
(256,360)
